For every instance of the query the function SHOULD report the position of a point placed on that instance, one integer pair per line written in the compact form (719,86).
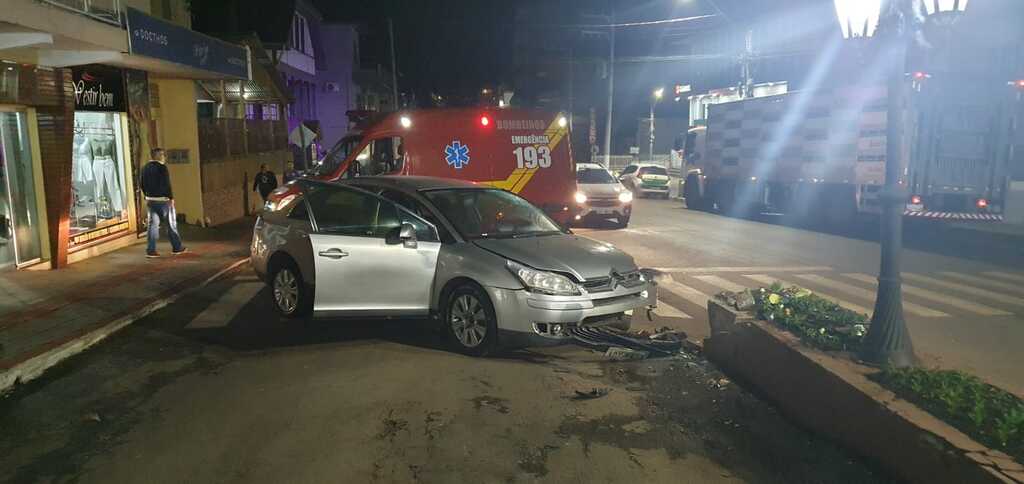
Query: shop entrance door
(19,220)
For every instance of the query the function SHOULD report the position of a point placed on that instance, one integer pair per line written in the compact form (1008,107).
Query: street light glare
(858,18)
(659,92)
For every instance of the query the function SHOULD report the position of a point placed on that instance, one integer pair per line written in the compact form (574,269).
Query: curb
(34,366)
(836,397)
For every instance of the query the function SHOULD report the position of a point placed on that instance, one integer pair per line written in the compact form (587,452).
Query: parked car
(492,267)
(646,179)
(600,195)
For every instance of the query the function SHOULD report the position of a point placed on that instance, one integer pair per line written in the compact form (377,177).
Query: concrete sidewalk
(48,316)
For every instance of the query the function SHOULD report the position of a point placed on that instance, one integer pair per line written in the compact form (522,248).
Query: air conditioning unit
(332,87)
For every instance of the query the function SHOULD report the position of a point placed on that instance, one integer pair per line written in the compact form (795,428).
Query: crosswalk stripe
(769,280)
(686,292)
(1007,275)
(214,316)
(866,294)
(934,296)
(720,283)
(974,291)
(984,282)
(667,310)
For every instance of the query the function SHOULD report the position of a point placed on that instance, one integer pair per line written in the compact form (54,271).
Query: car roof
(416,183)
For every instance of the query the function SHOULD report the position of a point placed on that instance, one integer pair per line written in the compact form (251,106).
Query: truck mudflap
(927,214)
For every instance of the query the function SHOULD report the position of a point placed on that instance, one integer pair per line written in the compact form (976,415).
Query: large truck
(821,154)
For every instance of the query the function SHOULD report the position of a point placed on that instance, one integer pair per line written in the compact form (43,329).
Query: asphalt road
(215,388)
(963,290)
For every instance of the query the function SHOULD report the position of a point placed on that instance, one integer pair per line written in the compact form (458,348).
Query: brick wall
(53,95)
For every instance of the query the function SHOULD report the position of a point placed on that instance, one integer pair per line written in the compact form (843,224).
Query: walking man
(156,186)
(265,182)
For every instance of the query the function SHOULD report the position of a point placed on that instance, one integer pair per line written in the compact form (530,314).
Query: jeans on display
(162,211)
(105,171)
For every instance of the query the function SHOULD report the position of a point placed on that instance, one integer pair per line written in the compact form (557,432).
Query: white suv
(600,196)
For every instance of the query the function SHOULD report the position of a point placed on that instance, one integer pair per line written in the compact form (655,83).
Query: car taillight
(485,121)
(982,203)
(915,200)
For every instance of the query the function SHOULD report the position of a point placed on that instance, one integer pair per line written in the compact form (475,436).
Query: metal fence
(108,11)
(222,138)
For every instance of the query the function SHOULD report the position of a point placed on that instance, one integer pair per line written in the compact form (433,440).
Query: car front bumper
(618,210)
(645,189)
(529,319)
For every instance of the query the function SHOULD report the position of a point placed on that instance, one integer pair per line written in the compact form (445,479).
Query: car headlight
(544,282)
(581,197)
(626,197)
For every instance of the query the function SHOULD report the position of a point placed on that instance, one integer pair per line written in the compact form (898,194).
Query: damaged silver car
(493,268)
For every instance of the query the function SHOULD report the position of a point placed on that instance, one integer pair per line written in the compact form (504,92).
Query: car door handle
(333,253)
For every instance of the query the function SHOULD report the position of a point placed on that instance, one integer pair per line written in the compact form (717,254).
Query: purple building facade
(314,59)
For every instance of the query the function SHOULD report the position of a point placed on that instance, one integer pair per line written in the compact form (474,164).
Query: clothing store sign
(98,88)
(157,38)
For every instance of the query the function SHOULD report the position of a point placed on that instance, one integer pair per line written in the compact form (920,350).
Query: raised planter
(834,396)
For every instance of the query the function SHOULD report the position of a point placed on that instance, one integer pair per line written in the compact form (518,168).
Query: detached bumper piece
(600,339)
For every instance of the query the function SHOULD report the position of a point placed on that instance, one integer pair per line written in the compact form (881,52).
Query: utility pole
(394,65)
(611,93)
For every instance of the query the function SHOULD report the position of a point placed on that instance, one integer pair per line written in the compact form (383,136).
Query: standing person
(265,182)
(290,173)
(156,186)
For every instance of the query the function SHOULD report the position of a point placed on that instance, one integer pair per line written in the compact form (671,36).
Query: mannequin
(101,150)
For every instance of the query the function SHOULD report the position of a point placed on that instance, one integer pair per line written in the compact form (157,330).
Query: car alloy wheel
(286,291)
(468,320)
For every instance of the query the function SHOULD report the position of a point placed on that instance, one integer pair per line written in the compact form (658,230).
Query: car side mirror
(404,234)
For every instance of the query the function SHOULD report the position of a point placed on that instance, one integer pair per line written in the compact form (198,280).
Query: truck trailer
(820,154)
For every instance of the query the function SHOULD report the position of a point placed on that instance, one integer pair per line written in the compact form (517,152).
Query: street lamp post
(888,341)
(656,96)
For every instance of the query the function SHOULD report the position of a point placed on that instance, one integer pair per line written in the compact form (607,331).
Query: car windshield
(491,213)
(337,155)
(594,176)
(652,170)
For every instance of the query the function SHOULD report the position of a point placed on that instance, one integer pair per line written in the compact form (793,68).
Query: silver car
(493,268)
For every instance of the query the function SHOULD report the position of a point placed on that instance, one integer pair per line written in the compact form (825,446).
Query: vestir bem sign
(98,88)
(153,37)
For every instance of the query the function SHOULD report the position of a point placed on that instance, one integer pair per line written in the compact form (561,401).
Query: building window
(99,204)
(300,35)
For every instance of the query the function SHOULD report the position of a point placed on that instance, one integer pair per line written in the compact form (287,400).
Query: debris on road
(592,394)
(625,354)
(92,417)
(741,301)
(603,339)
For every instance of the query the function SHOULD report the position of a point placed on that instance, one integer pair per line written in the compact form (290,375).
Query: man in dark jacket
(156,186)
(265,182)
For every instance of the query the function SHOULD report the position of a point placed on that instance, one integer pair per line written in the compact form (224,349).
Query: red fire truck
(523,151)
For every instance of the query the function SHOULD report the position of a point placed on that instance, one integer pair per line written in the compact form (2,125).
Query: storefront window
(19,222)
(99,204)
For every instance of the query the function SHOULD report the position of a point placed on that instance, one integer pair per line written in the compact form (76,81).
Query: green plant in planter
(817,321)
(988,414)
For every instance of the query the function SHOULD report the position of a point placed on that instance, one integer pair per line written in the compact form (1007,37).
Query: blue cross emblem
(456,154)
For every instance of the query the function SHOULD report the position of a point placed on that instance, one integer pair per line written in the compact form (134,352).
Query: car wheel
(291,297)
(621,222)
(471,323)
